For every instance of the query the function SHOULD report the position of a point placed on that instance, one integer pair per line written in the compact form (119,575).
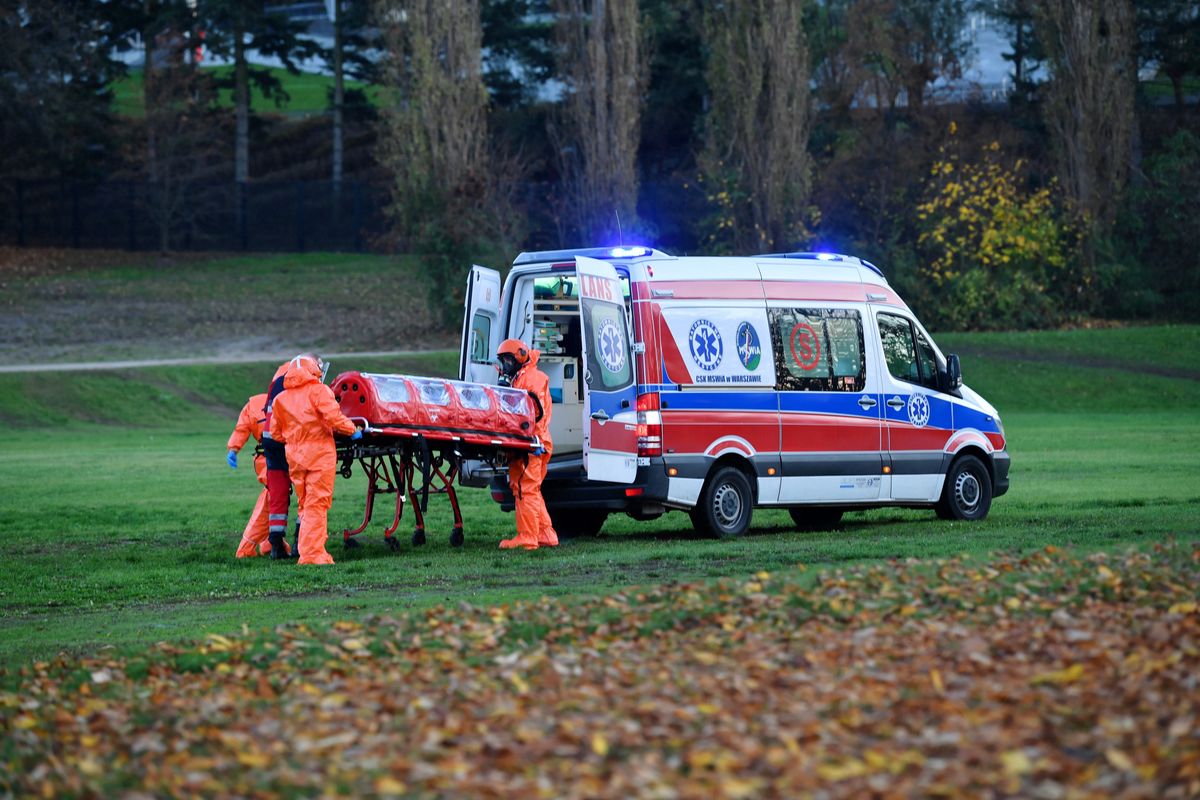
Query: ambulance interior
(545,312)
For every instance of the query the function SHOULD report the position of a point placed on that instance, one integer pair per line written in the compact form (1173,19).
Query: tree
(450,201)
(518,49)
(1089,104)
(1016,17)
(350,42)
(1169,39)
(56,65)
(601,53)
(756,163)
(231,29)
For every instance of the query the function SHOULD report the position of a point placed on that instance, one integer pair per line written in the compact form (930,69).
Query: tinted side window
(818,349)
(909,355)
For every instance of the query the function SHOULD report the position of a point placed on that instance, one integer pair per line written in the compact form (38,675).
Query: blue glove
(354,437)
(231,459)
(538,451)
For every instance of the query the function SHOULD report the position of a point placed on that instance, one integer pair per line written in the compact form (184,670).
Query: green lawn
(308,92)
(119,516)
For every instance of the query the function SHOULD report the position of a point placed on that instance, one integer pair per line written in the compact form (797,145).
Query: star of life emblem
(704,342)
(918,410)
(612,346)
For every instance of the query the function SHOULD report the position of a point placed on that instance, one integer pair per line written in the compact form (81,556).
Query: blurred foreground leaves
(1050,676)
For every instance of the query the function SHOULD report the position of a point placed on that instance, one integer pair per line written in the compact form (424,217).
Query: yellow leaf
(935,677)
(389,785)
(353,644)
(1068,675)
(1012,603)
(519,682)
(24,722)
(907,611)
(1105,573)
(850,768)
(599,744)
(90,768)
(1016,763)
(1183,608)
(1118,759)
(762,575)
(253,760)
(707,708)
(704,657)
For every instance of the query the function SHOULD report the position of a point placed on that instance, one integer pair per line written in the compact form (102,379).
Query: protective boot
(296,550)
(279,548)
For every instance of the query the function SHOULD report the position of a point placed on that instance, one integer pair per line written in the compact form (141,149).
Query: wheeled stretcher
(416,433)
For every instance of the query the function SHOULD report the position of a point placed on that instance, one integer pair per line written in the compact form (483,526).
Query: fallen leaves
(904,679)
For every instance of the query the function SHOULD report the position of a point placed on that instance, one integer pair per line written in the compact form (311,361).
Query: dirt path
(245,358)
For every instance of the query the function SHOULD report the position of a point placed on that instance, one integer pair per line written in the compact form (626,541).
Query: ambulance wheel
(725,504)
(418,537)
(393,543)
(967,494)
(816,519)
(573,523)
(457,538)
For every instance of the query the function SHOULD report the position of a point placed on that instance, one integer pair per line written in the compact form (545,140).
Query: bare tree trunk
(241,99)
(148,92)
(759,123)
(339,89)
(603,60)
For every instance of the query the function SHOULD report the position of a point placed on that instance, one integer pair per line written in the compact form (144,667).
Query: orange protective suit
(526,473)
(304,417)
(250,425)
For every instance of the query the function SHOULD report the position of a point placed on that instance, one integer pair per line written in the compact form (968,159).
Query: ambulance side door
(481,326)
(609,390)
(918,419)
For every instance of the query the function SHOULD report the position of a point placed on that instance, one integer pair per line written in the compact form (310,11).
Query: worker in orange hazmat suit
(518,363)
(249,425)
(305,417)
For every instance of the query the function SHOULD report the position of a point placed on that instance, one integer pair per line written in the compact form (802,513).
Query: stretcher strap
(425,458)
(447,429)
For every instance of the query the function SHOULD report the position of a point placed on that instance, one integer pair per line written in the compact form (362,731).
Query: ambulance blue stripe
(967,417)
(844,403)
(718,401)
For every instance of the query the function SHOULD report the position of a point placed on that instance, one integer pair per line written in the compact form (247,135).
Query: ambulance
(717,385)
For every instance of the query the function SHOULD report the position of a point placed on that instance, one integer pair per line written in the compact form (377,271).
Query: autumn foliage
(1049,675)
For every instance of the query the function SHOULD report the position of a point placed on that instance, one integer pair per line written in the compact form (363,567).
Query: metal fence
(290,216)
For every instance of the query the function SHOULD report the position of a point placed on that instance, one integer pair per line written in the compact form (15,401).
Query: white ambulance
(718,385)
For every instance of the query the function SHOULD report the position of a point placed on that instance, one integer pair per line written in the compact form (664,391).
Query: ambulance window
(608,367)
(928,361)
(481,335)
(818,350)
(898,347)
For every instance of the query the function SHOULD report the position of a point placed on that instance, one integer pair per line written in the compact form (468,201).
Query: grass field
(308,92)
(120,516)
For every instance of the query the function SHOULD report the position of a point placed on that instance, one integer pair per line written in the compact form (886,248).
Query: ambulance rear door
(609,389)
(481,326)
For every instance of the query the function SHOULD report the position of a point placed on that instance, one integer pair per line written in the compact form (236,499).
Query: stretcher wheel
(456,537)
(418,538)
(392,542)
(352,544)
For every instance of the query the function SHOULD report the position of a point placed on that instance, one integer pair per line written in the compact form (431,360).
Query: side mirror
(952,377)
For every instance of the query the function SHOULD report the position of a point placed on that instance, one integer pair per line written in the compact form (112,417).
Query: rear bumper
(566,486)
(1001,461)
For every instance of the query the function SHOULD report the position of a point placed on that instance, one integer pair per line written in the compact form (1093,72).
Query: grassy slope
(308,92)
(123,532)
(340,302)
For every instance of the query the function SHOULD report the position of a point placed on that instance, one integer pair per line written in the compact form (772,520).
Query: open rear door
(481,326)
(609,391)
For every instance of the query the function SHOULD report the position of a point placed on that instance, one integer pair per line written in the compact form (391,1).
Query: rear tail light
(649,425)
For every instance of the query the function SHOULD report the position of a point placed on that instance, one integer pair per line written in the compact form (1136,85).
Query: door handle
(600,416)
(867,402)
(896,403)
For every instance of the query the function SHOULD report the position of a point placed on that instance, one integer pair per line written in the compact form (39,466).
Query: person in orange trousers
(518,364)
(305,416)
(249,425)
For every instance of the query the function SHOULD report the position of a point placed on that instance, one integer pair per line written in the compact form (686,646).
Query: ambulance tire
(816,519)
(725,504)
(967,494)
(575,523)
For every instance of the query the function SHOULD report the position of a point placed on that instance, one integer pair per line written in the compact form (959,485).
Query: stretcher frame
(413,462)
